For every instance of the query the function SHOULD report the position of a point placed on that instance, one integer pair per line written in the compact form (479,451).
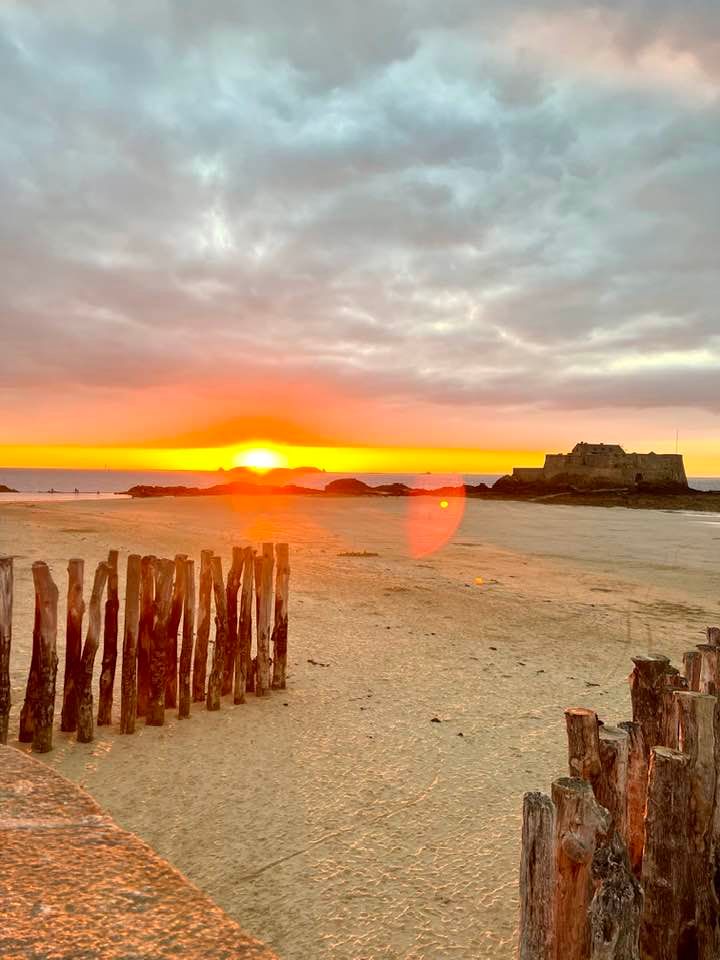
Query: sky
(388,235)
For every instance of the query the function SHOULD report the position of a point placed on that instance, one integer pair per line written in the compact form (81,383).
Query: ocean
(93,484)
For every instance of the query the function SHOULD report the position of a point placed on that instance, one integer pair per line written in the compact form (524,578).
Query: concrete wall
(74,885)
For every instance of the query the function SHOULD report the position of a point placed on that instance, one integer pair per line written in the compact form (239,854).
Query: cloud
(510,206)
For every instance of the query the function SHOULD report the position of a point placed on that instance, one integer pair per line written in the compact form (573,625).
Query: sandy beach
(336,819)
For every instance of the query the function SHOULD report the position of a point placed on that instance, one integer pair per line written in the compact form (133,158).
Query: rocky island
(592,474)
(601,466)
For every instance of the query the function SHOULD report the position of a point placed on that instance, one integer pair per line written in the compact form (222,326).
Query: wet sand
(336,820)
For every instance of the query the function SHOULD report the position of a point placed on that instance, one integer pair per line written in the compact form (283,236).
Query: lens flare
(433,519)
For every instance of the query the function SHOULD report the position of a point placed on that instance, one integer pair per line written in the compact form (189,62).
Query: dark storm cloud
(510,205)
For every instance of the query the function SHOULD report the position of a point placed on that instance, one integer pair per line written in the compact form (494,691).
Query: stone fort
(605,465)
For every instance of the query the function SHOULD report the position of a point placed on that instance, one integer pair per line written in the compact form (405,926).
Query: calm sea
(91,484)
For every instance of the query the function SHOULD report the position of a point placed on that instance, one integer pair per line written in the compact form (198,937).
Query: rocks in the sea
(395,489)
(4,489)
(350,487)
(514,486)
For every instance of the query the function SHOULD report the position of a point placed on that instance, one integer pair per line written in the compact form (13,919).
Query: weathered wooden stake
(203,629)
(73,644)
(616,907)
(145,634)
(176,611)
(709,669)
(128,694)
(245,681)
(280,625)
(231,601)
(537,879)
(44,707)
(636,793)
(6,611)
(646,692)
(262,680)
(665,870)
(611,790)
(699,725)
(672,681)
(110,642)
(188,632)
(158,646)
(258,563)
(214,689)
(580,823)
(85,728)
(583,744)
(691,668)
(27,712)
(713,636)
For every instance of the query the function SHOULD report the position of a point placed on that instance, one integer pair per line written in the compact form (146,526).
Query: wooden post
(231,601)
(110,641)
(188,633)
(699,726)
(258,575)
(73,644)
(280,626)
(263,591)
(646,691)
(171,652)
(580,822)
(85,727)
(158,647)
(145,633)
(128,694)
(636,793)
(537,879)
(616,907)
(713,636)
(6,611)
(245,681)
(203,630)
(27,713)
(672,681)
(583,744)
(214,690)
(46,594)
(709,669)
(611,790)
(176,612)
(665,869)
(691,668)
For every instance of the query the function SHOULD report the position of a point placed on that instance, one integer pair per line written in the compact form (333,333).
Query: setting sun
(260,459)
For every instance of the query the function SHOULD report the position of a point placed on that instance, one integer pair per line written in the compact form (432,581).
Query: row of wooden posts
(159,595)
(622,861)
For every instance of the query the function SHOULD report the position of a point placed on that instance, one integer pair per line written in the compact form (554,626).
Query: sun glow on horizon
(260,459)
(701,459)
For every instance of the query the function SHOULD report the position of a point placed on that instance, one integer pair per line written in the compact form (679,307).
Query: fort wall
(605,465)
